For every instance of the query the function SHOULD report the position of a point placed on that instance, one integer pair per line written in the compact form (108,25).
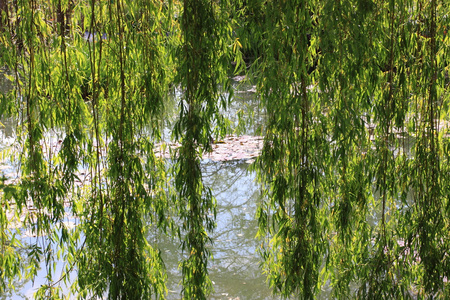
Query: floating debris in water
(239,78)
(228,149)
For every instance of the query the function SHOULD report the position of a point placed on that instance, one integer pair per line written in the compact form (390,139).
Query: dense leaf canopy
(355,164)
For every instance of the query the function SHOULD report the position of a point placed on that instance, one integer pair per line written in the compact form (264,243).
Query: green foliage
(351,89)
(354,168)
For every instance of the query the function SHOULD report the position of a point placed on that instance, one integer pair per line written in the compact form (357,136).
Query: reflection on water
(235,268)
(246,105)
(25,288)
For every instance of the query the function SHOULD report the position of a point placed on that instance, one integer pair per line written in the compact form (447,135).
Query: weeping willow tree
(204,56)
(90,81)
(355,154)
(355,163)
